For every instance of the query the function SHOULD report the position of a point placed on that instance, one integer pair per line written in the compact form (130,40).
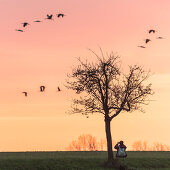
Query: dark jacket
(119,145)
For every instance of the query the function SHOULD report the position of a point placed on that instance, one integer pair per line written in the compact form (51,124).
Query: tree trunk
(111,162)
(109,141)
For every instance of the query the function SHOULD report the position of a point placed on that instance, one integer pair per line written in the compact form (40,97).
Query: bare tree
(144,146)
(106,90)
(86,143)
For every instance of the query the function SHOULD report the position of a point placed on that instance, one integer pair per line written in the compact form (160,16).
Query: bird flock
(25,24)
(147,40)
(49,17)
(61,15)
(42,89)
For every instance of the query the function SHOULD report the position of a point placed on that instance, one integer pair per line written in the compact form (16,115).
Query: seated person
(120,149)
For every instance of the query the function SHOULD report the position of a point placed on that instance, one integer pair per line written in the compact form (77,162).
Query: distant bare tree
(140,146)
(160,147)
(108,91)
(144,146)
(87,143)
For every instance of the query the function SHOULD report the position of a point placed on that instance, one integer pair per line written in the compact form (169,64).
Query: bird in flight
(37,21)
(60,15)
(19,30)
(42,88)
(141,46)
(150,31)
(59,89)
(25,93)
(160,38)
(49,16)
(147,40)
(25,24)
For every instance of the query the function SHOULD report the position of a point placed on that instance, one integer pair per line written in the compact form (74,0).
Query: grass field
(80,160)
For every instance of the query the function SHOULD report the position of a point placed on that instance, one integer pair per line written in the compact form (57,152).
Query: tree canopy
(107,88)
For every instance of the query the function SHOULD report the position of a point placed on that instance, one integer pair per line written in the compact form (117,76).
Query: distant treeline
(90,143)
(144,146)
(87,143)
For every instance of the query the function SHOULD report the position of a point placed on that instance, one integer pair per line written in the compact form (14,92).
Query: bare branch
(109,91)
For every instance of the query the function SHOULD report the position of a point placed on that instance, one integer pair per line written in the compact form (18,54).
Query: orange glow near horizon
(46,52)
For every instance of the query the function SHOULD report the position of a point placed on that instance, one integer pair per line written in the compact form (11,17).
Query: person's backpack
(121,152)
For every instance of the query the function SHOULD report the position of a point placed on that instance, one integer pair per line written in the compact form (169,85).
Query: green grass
(80,160)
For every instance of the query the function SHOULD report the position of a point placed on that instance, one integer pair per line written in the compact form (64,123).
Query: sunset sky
(46,52)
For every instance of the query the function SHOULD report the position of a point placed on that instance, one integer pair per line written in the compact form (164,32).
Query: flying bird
(147,40)
(141,46)
(60,15)
(59,89)
(49,16)
(19,30)
(25,24)
(150,31)
(160,38)
(42,88)
(37,21)
(25,93)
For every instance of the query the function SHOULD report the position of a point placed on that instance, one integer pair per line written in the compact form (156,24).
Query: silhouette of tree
(108,91)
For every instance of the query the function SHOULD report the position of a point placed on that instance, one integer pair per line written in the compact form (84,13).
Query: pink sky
(46,52)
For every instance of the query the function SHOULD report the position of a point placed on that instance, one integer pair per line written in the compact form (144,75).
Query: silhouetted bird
(42,88)
(60,15)
(25,93)
(141,46)
(37,21)
(147,40)
(150,31)
(59,89)
(19,30)
(25,24)
(160,38)
(49,16)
